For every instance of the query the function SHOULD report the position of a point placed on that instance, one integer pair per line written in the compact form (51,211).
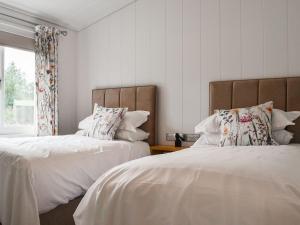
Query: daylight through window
(17,91)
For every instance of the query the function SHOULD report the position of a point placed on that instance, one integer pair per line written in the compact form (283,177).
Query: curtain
(46,44)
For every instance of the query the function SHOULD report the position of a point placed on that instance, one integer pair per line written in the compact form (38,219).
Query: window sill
(17,131)
(16,135)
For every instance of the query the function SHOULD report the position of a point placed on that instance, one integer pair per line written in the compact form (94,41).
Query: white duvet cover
(200,186)
(38,174)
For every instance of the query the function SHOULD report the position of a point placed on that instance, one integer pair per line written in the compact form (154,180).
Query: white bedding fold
(17,199)
(207,186)
(38,174)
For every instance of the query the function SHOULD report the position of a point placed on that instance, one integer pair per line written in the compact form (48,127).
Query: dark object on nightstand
(161,149)
(178,140)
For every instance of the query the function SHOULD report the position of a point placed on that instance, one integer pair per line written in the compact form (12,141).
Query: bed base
(61,215)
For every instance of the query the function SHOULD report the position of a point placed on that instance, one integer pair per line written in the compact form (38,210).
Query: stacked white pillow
(134,119)
(209,130)
(211,135)
(138,135)
(128,128)
(86,123)
(282,119)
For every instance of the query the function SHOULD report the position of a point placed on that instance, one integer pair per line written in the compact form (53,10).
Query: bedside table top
(166,148)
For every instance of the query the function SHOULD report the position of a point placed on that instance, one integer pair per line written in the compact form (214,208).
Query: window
(17,91)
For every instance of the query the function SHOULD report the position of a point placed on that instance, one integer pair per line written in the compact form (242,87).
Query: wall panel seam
(220,40)
(241,40)
(287,37)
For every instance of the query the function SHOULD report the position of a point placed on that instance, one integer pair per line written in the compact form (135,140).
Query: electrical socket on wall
(186,137)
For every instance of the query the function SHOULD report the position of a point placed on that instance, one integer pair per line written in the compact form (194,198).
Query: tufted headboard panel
(133,98)
(284,92)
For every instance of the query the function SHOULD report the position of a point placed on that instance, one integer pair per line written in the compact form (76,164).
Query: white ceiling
(73,14)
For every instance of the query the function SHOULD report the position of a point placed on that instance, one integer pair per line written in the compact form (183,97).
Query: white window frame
(12,131)
(1,87)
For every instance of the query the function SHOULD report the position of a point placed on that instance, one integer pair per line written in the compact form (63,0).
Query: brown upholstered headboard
(284,92)
(133,98)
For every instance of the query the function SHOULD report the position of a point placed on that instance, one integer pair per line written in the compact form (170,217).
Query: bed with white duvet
(204,185)
(37,174)
(44,178)
(235,174)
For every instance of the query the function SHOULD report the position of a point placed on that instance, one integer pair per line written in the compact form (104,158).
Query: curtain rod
(62,32)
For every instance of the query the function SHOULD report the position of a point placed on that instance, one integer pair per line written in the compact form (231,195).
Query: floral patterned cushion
(246,126)
(106,121)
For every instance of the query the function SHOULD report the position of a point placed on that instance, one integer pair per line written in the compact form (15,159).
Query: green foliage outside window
(16,87)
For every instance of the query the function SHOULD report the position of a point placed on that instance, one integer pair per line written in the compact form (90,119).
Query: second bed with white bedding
(206,185)
(38,174)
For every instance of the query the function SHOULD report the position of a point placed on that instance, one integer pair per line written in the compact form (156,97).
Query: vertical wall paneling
(173,86)
(230,39)
(158,60)
(127,50)
(275,37)
(210,49)
(115,47)
(252,38)
(91,58)
(100,48)
(182,45)
(191,64)
(83,89)
(157,26)
(293,37)
(143,63)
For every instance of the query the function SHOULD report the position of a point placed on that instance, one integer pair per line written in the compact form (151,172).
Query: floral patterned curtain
(46,43)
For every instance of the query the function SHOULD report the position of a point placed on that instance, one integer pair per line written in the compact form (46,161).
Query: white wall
(67,83)
(181,45)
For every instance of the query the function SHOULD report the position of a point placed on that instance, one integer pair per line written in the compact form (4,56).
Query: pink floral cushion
(106,121)
(246,126)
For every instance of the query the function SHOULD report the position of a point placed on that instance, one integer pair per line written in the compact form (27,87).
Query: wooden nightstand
(161,149)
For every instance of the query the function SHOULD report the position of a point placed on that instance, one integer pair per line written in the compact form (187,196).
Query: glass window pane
(19,88)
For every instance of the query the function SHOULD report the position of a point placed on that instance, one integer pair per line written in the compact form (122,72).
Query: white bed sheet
(38,174)
(206,185)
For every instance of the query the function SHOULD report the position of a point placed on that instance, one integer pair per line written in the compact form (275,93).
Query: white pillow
(81,133)
(282,119)
(130,122)
(208,125)
(292,115)
(208,139)
(282,137)
(86,123)
(139,135)
(133,120)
